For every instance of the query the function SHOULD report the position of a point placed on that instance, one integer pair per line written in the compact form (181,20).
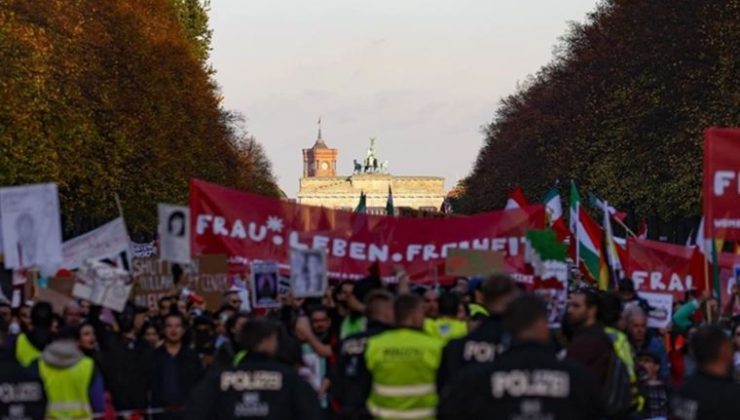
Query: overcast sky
(422,76)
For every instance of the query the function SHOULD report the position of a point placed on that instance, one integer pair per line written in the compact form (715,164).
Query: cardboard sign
(207,277)
(32,229)
(103,285)
(58,292)
(472,262)
(662,308)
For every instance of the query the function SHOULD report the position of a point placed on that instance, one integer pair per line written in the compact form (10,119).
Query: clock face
(324,165)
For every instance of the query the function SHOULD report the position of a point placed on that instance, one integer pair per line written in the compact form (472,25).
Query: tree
(193,16)
(621,109)
(108,98)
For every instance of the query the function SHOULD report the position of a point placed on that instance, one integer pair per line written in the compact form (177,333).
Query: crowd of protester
(482,348)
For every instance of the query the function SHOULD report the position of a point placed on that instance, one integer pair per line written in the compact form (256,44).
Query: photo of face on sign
(308,276)
(265,285)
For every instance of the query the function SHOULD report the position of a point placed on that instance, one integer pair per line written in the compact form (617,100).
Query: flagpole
(629,232)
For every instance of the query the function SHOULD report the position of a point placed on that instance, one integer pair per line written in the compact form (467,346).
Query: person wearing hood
(30,344)
(73,385)
(22,393)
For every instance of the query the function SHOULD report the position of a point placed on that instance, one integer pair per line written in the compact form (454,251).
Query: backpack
(616,391)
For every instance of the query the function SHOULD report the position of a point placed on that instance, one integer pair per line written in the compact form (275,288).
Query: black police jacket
(527,381)
(706,397)
(21,391)
(352,381)
(258,388)
(480,346)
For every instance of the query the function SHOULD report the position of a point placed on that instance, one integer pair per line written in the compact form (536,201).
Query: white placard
(103,285)
(265,289)
(174,233)
(308,276)
(107,241)
(31,226)
(662,312)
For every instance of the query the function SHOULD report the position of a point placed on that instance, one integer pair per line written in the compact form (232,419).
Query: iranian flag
(516,199)
(554,212)
(586,236)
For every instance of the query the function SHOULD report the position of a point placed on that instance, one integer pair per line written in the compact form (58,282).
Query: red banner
(722,183)
(664,268)
(250,227)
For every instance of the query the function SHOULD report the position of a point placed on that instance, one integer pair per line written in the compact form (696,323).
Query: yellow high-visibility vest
(67,389)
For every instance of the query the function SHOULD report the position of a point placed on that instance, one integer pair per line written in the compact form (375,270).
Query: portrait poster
(661,309)
(31,225)
(265,284)
(308,276)
(174,233)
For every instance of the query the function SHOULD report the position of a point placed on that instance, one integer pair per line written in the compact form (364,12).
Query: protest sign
(265,289)
(103,285)
(58,292)
(107,241)
(661,311)
(664,268)
(556,300)
(174,233)
(473,262)
(207,277)
(729,264)
(143,250)
(251,227)
(31,225)
(722,183)
(308,276)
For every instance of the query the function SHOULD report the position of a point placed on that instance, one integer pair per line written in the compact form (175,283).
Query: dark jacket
(126,367)
(706,397)
(527,381)
(23,390)
(480,346)
(258,388)
(351,382)
(188,370)
(592,348)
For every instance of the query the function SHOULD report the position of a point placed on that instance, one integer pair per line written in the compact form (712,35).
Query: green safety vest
(67,389)
(25,351)
(623,349)
(351,326)
(403,364)
(445,329)
(476,309)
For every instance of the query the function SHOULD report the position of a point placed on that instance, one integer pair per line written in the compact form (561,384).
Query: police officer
(709,393)
(258,387)
(352,383)
(527,381)
(21,391)
(488,340)
(403,363)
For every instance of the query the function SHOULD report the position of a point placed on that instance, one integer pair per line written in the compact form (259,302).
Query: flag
(554,210)
(642,232)
(710,248)
(547,255)
(516,199)
(597,202)
(553,205)
(362,205)
(389,209)
(610,247)
(587,236)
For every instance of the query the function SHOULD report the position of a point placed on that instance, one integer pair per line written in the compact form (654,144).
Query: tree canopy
(110,98)
(620,109)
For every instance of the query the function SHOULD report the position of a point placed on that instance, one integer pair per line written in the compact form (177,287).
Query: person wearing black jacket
(527,381)
(259,387)
(176,369)
(352,382)
(488,340)
(22,394)
(710,393)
